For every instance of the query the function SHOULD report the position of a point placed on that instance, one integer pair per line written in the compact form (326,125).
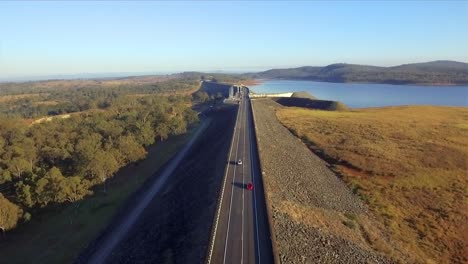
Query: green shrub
(27,217)
(349,224)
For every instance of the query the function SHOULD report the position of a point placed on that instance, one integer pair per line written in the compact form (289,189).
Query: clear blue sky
(49,38)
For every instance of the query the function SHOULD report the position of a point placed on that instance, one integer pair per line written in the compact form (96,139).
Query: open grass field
(10,98)
(111,82)
(36,98)
(59,234)
(409,163)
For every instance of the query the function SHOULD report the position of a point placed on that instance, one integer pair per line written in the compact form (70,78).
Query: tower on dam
(235,91)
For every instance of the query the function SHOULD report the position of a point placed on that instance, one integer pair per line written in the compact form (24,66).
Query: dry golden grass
(50,102)
(410,164)
(10,98)
(181,92)
(113,82)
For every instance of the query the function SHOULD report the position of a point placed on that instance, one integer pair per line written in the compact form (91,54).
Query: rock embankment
(312,103)
(303,94)
(212,88)
(315,217)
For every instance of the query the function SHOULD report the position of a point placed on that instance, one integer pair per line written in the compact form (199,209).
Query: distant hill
(436,72)
(435,66)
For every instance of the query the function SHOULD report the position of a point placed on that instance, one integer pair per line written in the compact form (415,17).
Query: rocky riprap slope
(315,217)
(312,103)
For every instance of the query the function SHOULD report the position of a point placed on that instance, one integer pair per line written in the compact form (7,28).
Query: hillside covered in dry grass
(409,164)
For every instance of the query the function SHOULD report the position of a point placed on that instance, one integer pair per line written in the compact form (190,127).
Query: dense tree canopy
(60,160)
(436,72)
(9,214)
(200,96)
(32,100)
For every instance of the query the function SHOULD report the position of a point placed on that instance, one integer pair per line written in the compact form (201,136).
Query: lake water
(371,95)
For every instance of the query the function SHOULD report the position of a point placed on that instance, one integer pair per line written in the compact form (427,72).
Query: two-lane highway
(241,232)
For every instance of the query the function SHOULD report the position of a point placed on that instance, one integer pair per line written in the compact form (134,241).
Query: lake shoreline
(361,95)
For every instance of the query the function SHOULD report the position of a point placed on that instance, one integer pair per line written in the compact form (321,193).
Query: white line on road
(232,194)
(243,184)
(222,191)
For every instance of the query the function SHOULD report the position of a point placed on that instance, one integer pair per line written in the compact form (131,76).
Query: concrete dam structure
(264,95)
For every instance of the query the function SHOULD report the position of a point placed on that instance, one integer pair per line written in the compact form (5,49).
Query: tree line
(60,161)
(48,101)
(419,73)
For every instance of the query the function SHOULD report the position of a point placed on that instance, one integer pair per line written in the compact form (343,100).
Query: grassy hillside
(435,66)
(408,163)
(436,72)
(32,100)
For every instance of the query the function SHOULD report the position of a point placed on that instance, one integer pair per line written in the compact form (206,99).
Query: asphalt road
(241,229)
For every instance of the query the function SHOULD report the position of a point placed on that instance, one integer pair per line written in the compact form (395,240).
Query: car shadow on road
(240,185)
(233,162)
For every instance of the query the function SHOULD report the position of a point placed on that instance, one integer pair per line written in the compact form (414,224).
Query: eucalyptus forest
(59,143)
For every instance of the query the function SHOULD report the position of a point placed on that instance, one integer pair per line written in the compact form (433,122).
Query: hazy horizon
(44,39)
(103,75)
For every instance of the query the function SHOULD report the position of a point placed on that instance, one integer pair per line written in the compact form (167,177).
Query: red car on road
(249,186)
